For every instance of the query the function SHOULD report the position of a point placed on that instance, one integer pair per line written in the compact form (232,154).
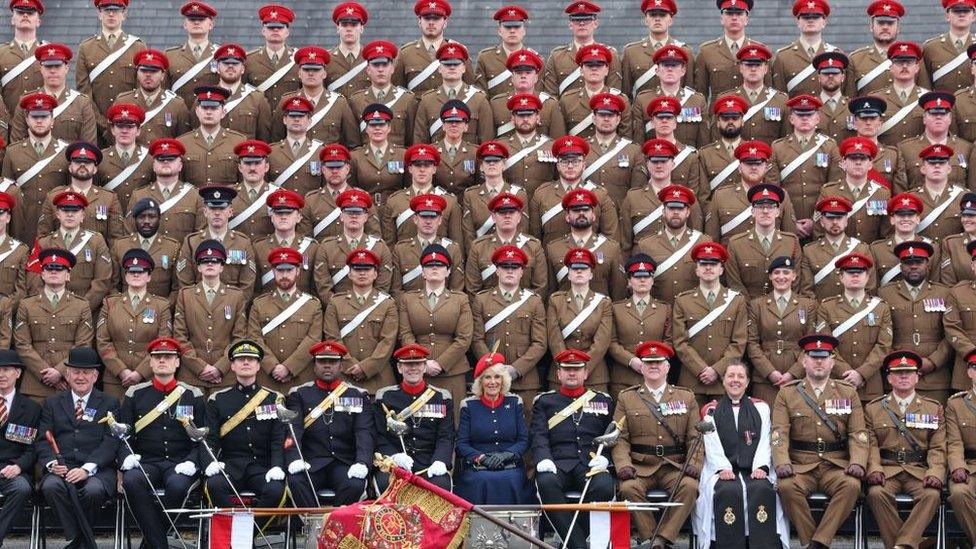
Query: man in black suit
(19,418)
(87,447)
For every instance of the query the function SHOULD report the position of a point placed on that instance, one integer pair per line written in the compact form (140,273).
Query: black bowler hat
(84,358)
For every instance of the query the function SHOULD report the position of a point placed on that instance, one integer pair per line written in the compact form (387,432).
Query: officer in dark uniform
(245,434)
(334,430)
(564,423)
(21,416)
(428,411)
(154,410)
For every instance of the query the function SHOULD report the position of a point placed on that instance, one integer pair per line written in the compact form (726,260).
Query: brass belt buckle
(659,450)
(901,457)
(780,347)
(821,446)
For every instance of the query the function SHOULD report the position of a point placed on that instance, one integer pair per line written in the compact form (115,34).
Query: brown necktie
(79,409)
(3,411)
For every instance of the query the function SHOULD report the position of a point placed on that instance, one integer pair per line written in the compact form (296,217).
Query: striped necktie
(3,411)
(79,409)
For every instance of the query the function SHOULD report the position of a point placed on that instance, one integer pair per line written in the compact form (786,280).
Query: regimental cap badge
(283,256)
(216,194)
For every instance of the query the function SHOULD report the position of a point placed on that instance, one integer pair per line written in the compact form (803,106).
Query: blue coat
(483,430)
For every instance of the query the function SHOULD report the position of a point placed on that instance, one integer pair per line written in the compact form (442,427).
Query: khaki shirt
(562,62)
(120,76)
(112,165)
(337,125)
(819,254)
(77,122)
(747,269)
(608,277)
(535,168)
(960,435)
(122,334)
(681,276)
(182,217)
(379,178)
(164,251)
(936,53)
(803,183)
(870,222)
(535,275)
(862,61)
(172,120)
(181,60)
(768,123)
(791,60)
(959,162)
(957,263)
(91,277)
(480,125)
(103,214)
(476,220)
(240,269)
(520,338)
(214,165)
(917,325)
(404,113)
(630,329)
(692,128)
(716,69)
(638,58)
(413,58)
(10,56)
(911,124)
(258,67)
(339,66)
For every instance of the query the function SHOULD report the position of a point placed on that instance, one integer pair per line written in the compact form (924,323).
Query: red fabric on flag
(620,530)
(220,529)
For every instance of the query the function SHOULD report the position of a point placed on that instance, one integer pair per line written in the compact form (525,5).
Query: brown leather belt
(970,454)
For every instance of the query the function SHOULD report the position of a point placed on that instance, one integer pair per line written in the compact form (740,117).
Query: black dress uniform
(19,424)
(163,444)
(336,439)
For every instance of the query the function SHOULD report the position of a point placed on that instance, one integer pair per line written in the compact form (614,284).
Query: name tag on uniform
(183,412)
(237,257)
(20,433)
(822,160)
(394,166)
(922,421)
(267,411)
(149,316)
(838,406)
(623,161)
(315,167)
(675,408)
(101,212)
(934,305)
(773,114)
(468,166)
(877,207)
(872,319)
(352,405)
(597,408)
(690,114)
(432,410)
(89,414)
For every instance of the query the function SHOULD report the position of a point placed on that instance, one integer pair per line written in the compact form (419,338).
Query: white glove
(187,468)
(357,470)
(274,473)
(599,463)
(437,469)
(297,466)
(214,468)
(545,466)
(130,461)
(403,461)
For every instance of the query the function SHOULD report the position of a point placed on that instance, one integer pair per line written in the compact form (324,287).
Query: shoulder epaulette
(303,385)
(131,391)
(384,390)
(539,395)
(194,390)
(930,400)
(878,399)
(959,394)
(687,292)
(464,403)
(213,395)
(792,383)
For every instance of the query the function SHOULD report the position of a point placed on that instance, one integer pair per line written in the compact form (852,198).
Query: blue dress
(482,430)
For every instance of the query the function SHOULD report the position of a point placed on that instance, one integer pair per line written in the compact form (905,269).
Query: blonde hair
(476,389)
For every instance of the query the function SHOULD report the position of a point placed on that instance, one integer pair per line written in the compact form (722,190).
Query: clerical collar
(573,393)
(736,402)
(165,388)
(328,385)
(413,389)
(492,403)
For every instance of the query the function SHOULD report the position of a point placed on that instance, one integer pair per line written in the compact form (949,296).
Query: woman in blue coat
(492,438)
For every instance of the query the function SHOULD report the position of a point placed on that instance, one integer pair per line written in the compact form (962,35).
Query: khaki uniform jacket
(44,334)
(205,331)
(747,269)
(619,172)
(404,113)
(306,178)
(173,120)
(959,323)
(911,124)
(380,179)
(120,76)
(772,345)
(917,325)
(960,436)
(964,114)
(181,59)
(562,62)
(339,65)
(372,343)
(551,122)
(331,258)
(681,276)
(575,107)
(958,175)
(240,269)
(870,222)
(476,220)
(309,248)
(258,224)
(727,203)
(185,216)
(714,158)
(521,337)
(489,63)
(413,58)
(480,125)
(593,334)
(804,183)
(864,345)
(767,124)
(216,165)
(77,122)
(112,165)
(13,276)
(164,251)
(885,261)
(637,206)
(608,276)
(19,158)
(457,174)
(862,61)
(121,334)
(885,436)
(957,264)
(406,258)
(535,168)
(716,69)
(630,329)
(791,60)
(891,165)
(91,277)
(818,255)
(290,341)
(838,124)
(399,202)
(716,345)
(947,223)
(10,56)
(641,427)
(551,194)
(338,125)
(638,58)
(793,419)
(251,115)
(446,330)
(258,67)
(535,275)
(319,203)
(936,53)
(103,214)
(692,128)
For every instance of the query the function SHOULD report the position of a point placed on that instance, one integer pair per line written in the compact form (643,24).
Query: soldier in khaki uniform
(207,317)
(331,266)
(531,162)
(345,68)
(917,308)
(49,324)
(480,271)
(492,73)
(105,65)
(380,56)
(170,116)
(127,322)
(904,114)
(23,75)
(162,249)
(715,66)
(285,207)
(606,277)
(614,161)
(689,106)
(752,252)
(190,62)
(209,158)
(904,213)
(939,196)
(706,346)
(793,70)
(180,206)
(477,219)
(959,322)
(562,70)
(320,213)
(240,268)
(416,66)
(293,160)
(653,446)
(526,66)
(867,200)
(945,55)
(777,321)
(961,452)
(13,256)
(636,319)
(126,165)
(964,111)
(864,75)
(665,114)
(577,105)
(246,110)
(718,157)
(366,321)
(452,59)
(640,64)
(866,334)
(819,443)
(284,331)
(264,67)
(763,118)
(421,162)
(956,265)
(519,333)
(426,219)
(835,117)
(332,120)
(458,167)
(250,215)
(937,107)
(908,453)
(819,276)
(377,167)
(590,315)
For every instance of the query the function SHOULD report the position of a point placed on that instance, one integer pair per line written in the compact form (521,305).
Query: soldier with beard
(718,156)
(865,77)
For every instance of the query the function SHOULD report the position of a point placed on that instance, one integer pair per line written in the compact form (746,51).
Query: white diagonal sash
(720,176)
(804,156)
(553,211)
(655,214)
(41,164)
(403,217)
(897,117)
(313,147)
(169,203)
(233,104)
(644,78)
(565,268)
(164,100)
(731,224)
(268,275)
(507,311)
(582,125)
(683,154)
(805,73)
(505,128)
(112,58)
(85,236)
(583,315)
(825,271)
(873,73)
(192,72)
(326,221)
(490,269)
(950,66)
(856,207)
(693,237)
(14,244)
(17,70)
(252,208)
(499,78)
(599,162)
(317,117)
(276,76)
(410,275)
(568,81)
(770,94)
(858,316)
(69,98)
(437,124)
(286,314)
(712,315)
(345,78)
(937,211)
(890,275)
(358,319)
(485,227)
(517,157)
(423,75)
(397,94)
(128,171)
(342,273)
